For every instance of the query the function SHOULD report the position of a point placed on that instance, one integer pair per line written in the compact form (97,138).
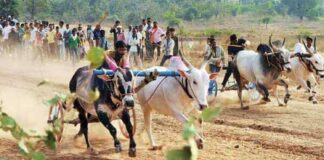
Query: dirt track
(263,132)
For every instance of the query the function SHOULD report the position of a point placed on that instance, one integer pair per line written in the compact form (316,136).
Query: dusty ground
(263,132)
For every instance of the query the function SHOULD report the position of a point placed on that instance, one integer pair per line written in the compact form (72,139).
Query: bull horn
(315,45)
(270,43)
(205,62)
(299,39)
(307,49)
(284,42)
(185,61)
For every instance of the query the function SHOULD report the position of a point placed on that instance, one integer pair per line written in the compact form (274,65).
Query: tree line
(171,11)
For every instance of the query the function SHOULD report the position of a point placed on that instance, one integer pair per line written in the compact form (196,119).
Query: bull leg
(83,126)
(103,118)
(81,111)
(148,126)
(281,82)
(275,91)
(132,145)
(264,91)
(309,90)
(238,79)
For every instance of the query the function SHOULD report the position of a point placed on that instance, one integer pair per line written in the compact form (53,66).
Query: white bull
(262,68)
(174,96)
(304,66)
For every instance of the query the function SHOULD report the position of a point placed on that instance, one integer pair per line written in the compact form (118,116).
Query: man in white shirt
(6,30)
(168,45)
(128,35)
(134,42)
(34,29)
(5,35)
(156,34)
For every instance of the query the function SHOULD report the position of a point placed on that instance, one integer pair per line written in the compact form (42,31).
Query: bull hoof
(118,147)
(245,108)
(200,144)
(132,152)
(266,99)
(286,100)
(288,96)
(310,98)
(155,148)
(281,105)
(315,102)
(92,151)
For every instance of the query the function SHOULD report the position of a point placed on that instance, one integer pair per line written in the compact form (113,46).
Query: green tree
(9,7)
(304,8)
(266,21)
(39,9)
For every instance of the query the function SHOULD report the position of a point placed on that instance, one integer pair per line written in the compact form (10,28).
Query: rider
(216,52)
(232,50)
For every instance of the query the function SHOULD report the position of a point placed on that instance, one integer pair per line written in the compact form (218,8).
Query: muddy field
(263,132)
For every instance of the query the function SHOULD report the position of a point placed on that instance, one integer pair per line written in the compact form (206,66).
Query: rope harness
(308,63)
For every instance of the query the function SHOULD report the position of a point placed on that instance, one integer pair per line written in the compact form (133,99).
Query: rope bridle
(185,85)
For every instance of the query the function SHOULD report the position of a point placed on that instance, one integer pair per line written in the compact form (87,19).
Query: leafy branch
(28,143)
(190,151)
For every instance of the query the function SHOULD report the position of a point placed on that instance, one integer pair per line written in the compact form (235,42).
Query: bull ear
(183,73)
(213,76)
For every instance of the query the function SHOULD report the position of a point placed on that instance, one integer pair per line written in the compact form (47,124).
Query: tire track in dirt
(317,151)
(261,127)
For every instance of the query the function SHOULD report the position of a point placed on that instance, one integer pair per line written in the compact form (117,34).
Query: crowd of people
(145,41)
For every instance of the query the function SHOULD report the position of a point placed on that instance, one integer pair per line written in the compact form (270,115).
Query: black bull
(108,90)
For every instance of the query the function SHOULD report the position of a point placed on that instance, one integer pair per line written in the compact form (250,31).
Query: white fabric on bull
(177,64)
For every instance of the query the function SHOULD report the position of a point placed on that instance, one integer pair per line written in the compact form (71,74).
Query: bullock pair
(265,67)
(117,92)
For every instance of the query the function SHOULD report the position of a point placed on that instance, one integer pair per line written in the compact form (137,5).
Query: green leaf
(37,156)
(18,133)
(53,101)
(96,57)
(8,122)
(179,154)
(50,140)
(94,95)
(61,96)
(209,113)
(23,148)
(188,131)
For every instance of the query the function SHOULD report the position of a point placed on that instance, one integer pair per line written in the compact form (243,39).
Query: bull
(263,68)
(116,98)
(305,67)
(175,96)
